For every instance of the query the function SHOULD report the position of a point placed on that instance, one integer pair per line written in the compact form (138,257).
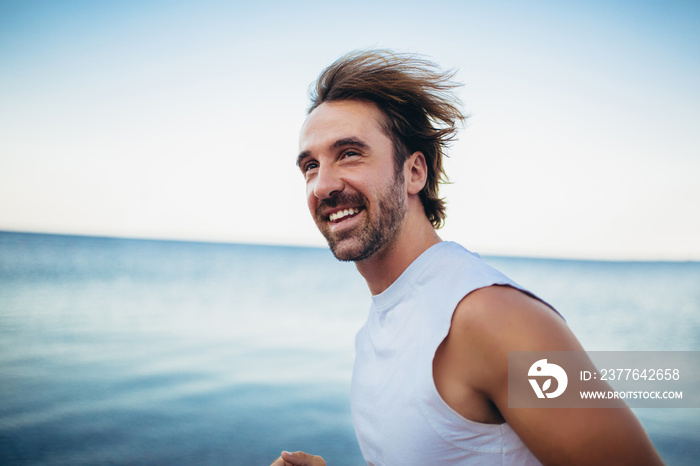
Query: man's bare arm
(492,321)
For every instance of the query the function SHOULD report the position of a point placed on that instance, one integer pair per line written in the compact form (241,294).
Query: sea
(145,352)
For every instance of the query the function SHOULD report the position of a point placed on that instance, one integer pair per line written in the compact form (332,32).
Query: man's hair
(418,101)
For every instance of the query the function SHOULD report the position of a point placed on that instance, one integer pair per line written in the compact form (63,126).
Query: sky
(180,119)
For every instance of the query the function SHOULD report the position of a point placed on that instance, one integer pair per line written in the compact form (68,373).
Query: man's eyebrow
(302,156)
(351,141)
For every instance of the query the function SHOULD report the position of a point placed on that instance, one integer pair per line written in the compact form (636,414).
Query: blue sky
(180,119)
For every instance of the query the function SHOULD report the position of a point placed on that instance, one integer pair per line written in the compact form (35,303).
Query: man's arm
(473,364)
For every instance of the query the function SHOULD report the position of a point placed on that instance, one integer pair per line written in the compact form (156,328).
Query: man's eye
(309,166)
(350,153)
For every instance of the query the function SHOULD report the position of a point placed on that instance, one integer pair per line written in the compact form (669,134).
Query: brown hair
(418,101)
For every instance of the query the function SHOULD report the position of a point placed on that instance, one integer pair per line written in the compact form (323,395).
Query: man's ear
(416,171)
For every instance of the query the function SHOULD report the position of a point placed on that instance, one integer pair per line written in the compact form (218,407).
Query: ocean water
(116,351)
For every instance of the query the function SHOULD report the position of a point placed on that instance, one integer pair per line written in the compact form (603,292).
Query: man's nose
(328,183)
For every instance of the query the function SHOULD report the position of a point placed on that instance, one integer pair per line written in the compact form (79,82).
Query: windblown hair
(418,101)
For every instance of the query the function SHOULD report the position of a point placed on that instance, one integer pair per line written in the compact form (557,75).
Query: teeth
(342,214)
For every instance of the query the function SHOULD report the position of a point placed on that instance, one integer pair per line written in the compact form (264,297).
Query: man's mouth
(343,214)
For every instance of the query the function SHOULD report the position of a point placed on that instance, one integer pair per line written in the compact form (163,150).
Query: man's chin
(345,252)
(352,250)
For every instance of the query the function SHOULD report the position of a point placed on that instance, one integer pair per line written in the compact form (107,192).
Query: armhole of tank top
(444,407)
(526,293)
(433,387)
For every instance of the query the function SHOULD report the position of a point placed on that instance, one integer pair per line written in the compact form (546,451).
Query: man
(430,379)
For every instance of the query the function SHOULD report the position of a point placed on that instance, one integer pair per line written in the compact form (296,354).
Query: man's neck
(384,267)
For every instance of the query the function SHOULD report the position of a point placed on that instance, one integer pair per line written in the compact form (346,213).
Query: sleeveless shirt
(398,414)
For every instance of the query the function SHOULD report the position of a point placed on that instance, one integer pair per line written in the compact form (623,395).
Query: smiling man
(358,221)
(429,384)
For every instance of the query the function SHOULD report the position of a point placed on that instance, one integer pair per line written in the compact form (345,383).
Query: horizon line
(309,245)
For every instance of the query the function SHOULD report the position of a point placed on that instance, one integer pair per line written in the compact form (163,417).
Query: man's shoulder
(451,265)
(492,321)
(505,318)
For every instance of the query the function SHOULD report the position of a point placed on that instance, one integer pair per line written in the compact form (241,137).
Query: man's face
(354,193)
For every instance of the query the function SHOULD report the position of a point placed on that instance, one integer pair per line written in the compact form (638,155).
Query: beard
(379,230)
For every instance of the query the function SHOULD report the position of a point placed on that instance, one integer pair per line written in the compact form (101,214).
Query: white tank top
(398,414)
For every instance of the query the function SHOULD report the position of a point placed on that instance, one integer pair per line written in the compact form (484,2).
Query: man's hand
(298,458)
